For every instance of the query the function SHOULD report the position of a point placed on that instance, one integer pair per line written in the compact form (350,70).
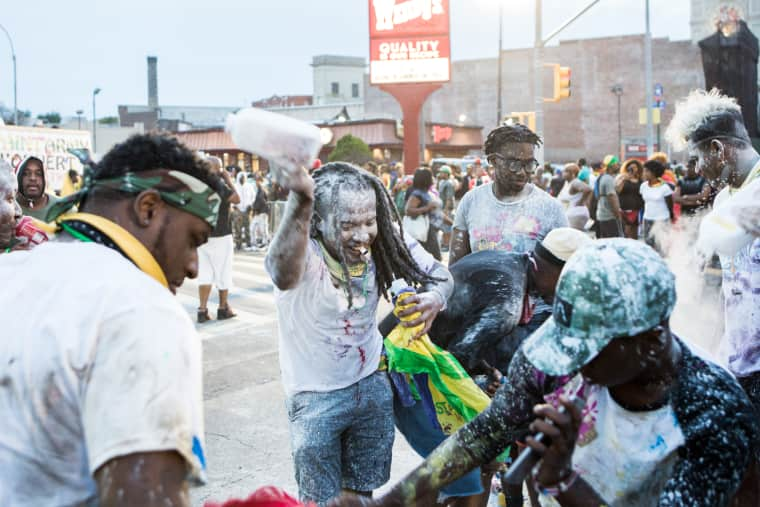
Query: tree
(109,120)
(51,118)
(350,149)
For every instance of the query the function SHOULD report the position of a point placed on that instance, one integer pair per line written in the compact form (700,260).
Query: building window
(355,90)
(335,88)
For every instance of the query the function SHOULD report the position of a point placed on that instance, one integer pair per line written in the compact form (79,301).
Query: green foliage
(350,149)
(109,120)
(51,118)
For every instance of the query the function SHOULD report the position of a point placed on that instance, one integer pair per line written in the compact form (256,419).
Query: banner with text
(409,41)
(49,145)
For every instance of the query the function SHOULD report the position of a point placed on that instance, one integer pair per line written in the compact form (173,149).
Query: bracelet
(559,488)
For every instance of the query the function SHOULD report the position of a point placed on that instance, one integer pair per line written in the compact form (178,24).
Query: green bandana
(198,199)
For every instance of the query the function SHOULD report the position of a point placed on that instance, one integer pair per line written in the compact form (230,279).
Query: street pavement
(247,439)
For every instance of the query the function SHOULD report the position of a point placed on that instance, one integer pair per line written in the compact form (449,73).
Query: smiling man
(509,214)
(337,250)
(101,386)
(33,198)
(660,425)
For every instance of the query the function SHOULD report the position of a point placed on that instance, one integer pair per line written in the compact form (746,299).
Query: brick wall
(585,125)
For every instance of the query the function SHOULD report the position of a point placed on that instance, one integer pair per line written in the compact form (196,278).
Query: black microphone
(524,463)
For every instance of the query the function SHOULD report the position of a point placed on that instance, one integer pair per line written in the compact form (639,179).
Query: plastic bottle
(720,231)
(286,142)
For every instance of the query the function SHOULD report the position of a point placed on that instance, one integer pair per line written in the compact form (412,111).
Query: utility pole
(538,79)
(648,83)
(499,113)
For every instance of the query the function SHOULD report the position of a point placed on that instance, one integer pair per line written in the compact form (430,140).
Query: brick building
(585,125)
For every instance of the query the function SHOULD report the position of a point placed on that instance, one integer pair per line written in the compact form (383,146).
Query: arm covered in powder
(286,260)
(480,441)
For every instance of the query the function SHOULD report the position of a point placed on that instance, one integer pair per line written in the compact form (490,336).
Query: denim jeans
(342,439)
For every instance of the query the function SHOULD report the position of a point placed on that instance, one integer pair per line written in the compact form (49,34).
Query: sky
(231,52)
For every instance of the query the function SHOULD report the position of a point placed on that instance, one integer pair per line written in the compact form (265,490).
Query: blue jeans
(424,438)
(342,439)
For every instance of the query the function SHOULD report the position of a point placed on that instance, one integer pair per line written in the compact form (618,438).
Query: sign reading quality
(409,41)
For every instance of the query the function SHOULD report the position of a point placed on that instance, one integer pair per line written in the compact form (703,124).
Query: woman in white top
(658,204)
(575,196)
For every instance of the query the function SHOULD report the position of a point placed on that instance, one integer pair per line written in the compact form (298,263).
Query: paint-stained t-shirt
(512,227)
(324,344)
(98,361)
(692,452)
(740,347)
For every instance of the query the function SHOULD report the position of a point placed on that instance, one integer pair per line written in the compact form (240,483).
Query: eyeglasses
(513,164)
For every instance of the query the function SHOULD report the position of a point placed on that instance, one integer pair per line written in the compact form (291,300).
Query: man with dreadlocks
(338,248)
(509,214)
(101,385)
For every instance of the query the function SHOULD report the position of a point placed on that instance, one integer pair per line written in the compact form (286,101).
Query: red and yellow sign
(409,41)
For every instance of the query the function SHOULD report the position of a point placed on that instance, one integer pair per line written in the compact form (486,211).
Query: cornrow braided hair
(516,133)
(390,254)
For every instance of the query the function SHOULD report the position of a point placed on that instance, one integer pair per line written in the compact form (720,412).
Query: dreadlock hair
(390,254)
(515,133)
(148,152)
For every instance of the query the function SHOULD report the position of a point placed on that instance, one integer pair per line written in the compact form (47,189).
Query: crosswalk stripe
(245,319)
(252,298)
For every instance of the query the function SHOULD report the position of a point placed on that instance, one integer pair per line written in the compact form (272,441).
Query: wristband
(557,489)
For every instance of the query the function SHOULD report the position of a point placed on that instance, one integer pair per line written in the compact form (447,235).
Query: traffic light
(561,83)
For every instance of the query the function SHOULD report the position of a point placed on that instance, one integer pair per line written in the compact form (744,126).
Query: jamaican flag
(423,372)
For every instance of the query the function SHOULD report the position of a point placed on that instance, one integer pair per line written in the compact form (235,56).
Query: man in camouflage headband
(104,402)
(660,425)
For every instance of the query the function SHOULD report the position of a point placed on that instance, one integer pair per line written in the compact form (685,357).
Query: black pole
(658,137)
(620,127)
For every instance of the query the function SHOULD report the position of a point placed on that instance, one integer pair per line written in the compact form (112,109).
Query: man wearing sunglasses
(509,214)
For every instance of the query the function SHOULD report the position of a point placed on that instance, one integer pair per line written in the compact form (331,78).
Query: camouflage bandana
(198,199)
(610,289)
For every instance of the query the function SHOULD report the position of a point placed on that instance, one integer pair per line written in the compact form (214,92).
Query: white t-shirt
(624,456)
(511,227)
(324,345)
(98,361)
(740,347)
(655,206)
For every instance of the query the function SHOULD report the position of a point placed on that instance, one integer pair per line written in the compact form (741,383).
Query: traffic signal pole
(538,66)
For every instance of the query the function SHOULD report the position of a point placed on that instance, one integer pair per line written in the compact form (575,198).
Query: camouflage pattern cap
(609,289)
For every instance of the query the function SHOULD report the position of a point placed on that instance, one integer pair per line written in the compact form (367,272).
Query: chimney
(153,82)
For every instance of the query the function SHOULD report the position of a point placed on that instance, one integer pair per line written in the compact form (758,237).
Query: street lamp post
(13,55)
(499,114)
(94,122)
(79,119)
(618,91)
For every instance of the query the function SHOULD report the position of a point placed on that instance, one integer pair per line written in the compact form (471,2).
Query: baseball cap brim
(558,350)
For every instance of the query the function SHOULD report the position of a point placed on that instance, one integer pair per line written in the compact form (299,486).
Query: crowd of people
(548,298)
